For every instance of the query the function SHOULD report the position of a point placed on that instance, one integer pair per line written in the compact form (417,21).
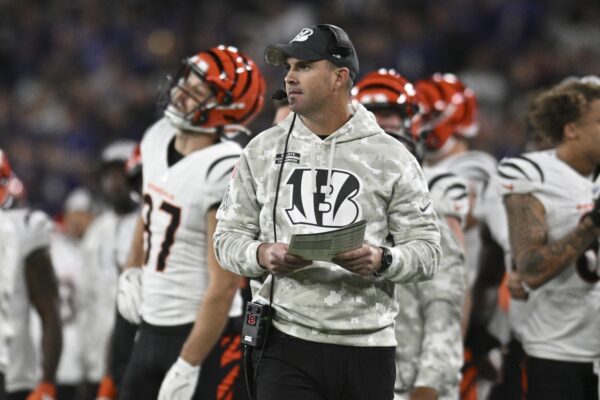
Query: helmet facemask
(189,85)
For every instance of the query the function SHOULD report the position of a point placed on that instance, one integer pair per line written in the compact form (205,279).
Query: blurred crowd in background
(78,74)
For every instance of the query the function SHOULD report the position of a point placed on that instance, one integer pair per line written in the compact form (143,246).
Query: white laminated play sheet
(325,245)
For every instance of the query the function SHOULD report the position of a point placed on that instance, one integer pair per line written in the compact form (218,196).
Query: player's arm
(455,227)
(211,319)
(538,260)
(490,272)
(42,287)
(213,313)
(136,253)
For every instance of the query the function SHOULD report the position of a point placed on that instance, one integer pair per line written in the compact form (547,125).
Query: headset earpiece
(343,45)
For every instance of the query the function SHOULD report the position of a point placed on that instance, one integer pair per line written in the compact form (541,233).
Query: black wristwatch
(386,261)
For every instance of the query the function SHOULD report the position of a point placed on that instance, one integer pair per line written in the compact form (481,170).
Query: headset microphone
(279,94)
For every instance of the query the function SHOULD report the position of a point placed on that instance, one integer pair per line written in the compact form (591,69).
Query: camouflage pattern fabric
(430,349)
(357,172)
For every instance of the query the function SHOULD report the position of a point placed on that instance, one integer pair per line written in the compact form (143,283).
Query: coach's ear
(342,77)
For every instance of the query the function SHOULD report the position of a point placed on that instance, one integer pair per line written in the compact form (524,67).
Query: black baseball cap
(314,43)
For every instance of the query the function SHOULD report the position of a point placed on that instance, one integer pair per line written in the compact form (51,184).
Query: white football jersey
(105,247)
(32,232)
(8,266)
(176,201)
(563,315)
(448,192)
(477,168)
(74,291)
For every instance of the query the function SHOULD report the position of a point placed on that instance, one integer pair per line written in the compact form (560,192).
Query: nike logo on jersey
(423,209)
(508,186)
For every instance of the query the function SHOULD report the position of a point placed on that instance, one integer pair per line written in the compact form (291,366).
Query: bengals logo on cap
(303,35)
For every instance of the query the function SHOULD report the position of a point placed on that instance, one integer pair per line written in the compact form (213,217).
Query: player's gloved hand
(180,382)
(43,391)
(129,297)
(107,389)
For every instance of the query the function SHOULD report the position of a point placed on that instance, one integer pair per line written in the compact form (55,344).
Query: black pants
(513,364)
(122,347)
(295,369)
(2,391)
(560,380)
(19,395)
(157,348)
(67,392)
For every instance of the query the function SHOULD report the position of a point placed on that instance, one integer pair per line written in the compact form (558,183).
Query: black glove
(595,213)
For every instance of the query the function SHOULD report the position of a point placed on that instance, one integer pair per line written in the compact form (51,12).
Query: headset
(343,45)
(342,48)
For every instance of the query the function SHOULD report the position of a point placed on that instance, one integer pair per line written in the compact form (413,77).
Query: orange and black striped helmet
(385,89)
(235,82)
(448,108)
(11,187)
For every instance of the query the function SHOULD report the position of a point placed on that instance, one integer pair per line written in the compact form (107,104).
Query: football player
(553,208)
(74,290)
(188,345)
(428,326)
(123,335)
(106,247)
(448,122)
(8,255)
(34,286)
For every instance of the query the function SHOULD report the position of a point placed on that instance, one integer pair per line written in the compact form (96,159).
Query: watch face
(387,257)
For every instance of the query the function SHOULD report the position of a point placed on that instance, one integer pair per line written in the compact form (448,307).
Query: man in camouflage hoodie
(325,166)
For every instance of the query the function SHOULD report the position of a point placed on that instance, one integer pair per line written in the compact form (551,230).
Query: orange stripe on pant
(468,385)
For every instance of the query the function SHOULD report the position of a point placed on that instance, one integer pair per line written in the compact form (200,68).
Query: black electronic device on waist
(256,319)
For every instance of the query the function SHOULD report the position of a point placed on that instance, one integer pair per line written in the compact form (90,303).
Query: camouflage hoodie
(357,172)
(430,351)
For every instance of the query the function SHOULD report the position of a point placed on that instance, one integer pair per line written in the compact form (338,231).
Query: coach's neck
(331,117)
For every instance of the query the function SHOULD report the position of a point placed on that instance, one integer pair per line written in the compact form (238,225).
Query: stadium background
(78,74)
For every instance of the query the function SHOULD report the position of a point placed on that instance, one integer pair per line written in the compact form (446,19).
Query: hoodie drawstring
(330,167)
(313,177)
(313,173)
